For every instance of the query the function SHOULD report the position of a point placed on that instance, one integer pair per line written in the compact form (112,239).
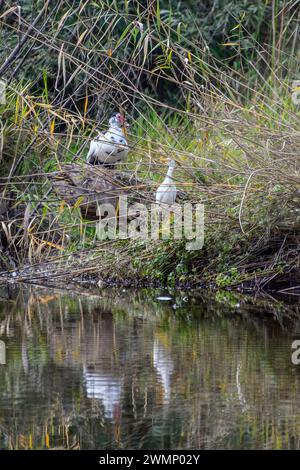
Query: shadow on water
(126,370)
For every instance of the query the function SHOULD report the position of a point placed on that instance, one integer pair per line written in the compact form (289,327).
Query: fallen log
(88,186)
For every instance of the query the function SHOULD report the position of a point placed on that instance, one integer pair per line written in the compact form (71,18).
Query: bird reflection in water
(105,387)
(164,365)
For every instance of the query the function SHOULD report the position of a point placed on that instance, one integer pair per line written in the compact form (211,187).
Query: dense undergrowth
(215,94)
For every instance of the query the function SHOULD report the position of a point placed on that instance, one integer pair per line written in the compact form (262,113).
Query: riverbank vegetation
(210,84)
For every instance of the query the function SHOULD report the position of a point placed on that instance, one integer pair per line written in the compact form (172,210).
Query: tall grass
(230,124)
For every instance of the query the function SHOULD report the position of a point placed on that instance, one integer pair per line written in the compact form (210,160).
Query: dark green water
(126,370)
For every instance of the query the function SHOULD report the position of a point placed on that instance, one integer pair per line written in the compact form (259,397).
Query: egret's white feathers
(167,191)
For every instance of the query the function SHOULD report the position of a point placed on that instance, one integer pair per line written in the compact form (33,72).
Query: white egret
(167,191)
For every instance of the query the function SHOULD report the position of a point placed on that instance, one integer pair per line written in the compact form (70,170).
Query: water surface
(123,369)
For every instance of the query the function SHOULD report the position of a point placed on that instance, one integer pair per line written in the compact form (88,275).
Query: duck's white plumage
(167,191)
(110,146)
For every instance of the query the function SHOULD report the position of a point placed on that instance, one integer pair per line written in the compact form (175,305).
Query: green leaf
(158,19)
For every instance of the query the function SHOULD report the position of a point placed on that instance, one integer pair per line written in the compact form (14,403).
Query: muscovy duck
(110,146)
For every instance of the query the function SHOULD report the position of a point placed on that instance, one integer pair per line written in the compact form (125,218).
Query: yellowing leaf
(61,206)
(42,243)
(78,202)
(47,440)
(231,44)
(43,105)
(60,24)
(80,39)
(52,125)
(86,102)
(17,109)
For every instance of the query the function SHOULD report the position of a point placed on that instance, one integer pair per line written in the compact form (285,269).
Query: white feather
(167,191)
(110,147)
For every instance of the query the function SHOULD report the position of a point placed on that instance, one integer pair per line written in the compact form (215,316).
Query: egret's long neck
(170,172)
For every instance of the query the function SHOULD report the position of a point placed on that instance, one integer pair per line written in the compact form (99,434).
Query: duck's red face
(120,119)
